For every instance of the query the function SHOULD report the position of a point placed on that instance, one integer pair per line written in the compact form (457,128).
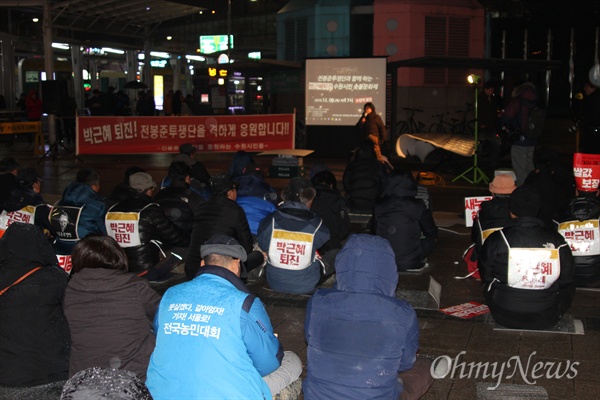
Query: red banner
(586,169)
(128,135)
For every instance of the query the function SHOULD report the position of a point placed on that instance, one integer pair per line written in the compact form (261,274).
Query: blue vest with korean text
(200,352)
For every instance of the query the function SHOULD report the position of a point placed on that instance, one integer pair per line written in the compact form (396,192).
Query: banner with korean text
(586,169)
(229,133)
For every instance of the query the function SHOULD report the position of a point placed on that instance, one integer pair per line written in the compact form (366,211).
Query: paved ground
(441,335)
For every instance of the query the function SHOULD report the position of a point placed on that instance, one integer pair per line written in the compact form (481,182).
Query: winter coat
(363,179)
(21,198)
(110,313)
(178,201)
(525,308)
(582,208)
(225,351)
(33,106)
(219,214)
(402,219)
(494,213)
(91,219)
(331,207)
(153,226)
(8,183)
(256,209)
(359,335)
(373,125)
(34,349)
(293,217)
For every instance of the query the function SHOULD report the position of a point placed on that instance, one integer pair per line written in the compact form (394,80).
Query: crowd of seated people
(106,315)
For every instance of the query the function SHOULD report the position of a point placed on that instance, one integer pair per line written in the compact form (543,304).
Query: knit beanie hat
(525,201)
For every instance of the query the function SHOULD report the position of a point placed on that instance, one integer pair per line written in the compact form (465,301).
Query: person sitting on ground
(110,311)
(25,204)
(178,200)
(229,350)
(242,163)
(143,230)
(526,268)
(200,177)
(331,207)
(34,349)
(291,237)
(255,196)
(493,214)
(9,167)
(576,223)
(79,212)
(121,191)
(221,214)
(362,340)
(363,179)
(405,221)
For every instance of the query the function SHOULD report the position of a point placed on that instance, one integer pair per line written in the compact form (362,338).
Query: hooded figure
(405,221)
(359,335)
(34,349)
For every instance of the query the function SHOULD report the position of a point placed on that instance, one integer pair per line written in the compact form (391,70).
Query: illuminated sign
(158,63)
(255,55)
(212,44)
(214,72)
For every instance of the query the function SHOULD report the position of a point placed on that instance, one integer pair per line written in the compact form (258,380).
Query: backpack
(535,123)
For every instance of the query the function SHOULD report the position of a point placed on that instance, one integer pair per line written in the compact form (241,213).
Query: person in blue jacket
(359,335)
(81,211)
(214,339)
(291,237)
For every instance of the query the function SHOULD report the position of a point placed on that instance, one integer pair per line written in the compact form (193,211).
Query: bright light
(213,12)
(473,79)
(221,81)
(169,37)
(61,46)
(111,50)
(160,54)
(195,58)
(36,20)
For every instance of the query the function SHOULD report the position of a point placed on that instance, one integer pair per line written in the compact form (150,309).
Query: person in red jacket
(33,106)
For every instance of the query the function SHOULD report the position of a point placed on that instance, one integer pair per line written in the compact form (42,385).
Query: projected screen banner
(227,133)
(338,88)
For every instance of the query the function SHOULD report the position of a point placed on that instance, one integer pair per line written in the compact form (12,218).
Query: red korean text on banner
(144,135)
(586,169)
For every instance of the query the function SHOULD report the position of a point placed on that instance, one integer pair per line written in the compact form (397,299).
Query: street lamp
(478,174)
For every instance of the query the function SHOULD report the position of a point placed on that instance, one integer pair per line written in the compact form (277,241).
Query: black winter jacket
(35,340)
(178,201)
(525,308)
(219,214)
(494,213)
(587,268)
(401,218)
(362,180)
(331,207)
(153,225)
(20,198)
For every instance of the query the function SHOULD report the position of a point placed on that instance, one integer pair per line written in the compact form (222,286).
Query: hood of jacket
(400,185)
(25,246)
(78,194)
(367,264)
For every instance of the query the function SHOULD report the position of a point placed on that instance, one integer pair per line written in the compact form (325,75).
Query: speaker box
(52,91)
